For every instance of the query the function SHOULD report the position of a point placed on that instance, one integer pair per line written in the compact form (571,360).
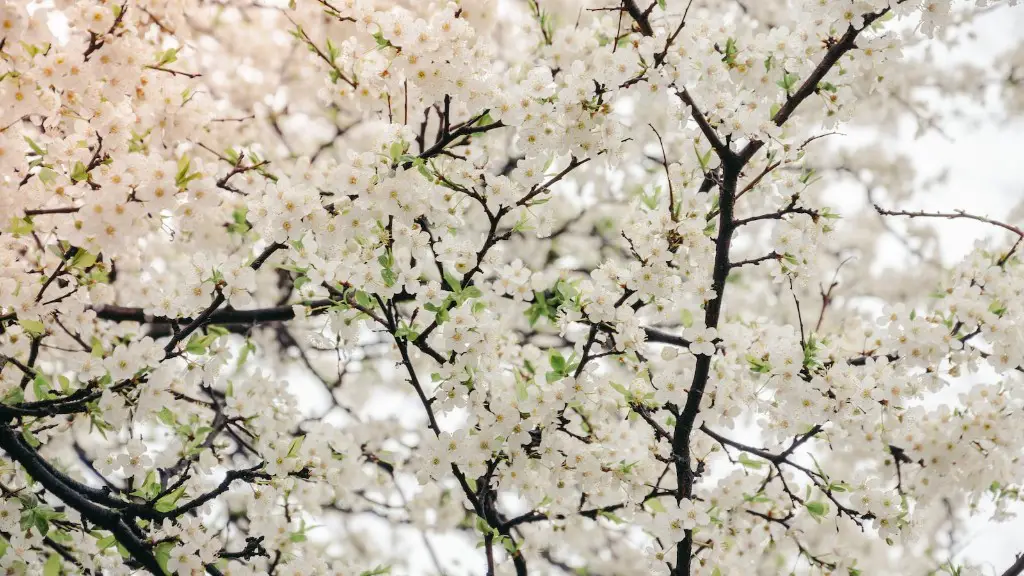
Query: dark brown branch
(951,216)
(773,255)
(1017,568)
(668,176)
(642,18)
(107,519)
(705,127)
(847,42)
(219,299)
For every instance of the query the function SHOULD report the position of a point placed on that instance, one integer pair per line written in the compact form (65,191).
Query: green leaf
(788,81)
(21,226)
(687,318)
(453,284)
(293,448)
(42,524)
(381,41)
(557,361)
(97,347)
(14,396)
(396,150)
(655,505)
(622,390)
(247,349)
(46,175)
(522,394)
(79,172)
(52,566)
(41,387)
(167,502)
(167,417)
(35,147)
(168,56)
(107,542)
(758,365)
(364,300)
(817,509)
(509,545)
(59,536)
(730,52)
(748,462)
(163,554)
(83,259)
(610,516)
(196,345)
(33,327)
(217,330)
(758,498)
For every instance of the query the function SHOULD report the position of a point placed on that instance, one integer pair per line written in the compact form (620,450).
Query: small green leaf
(293,448)
(557,361)
(79,172)
(168,56)
(83,259)
(47,175)
(168,501)
(788,82)
(41,387)
(35,147)
(247,349)
(52,566)
(622,390)
(817,509)
(522,394)
(106,542)
(21,226)
(687,318)
(364,300)
(655,505)
(381,41)
(748,462)
(611,516)
(163,554)
(453,284)
(33,327)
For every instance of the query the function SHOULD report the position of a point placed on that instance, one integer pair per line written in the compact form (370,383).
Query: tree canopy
(498,287)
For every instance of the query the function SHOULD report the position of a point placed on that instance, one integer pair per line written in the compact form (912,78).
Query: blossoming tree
(492,287)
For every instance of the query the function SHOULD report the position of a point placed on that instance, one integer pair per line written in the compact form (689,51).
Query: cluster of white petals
(524,285)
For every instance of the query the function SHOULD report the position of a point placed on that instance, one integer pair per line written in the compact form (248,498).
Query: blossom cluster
(563,283)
